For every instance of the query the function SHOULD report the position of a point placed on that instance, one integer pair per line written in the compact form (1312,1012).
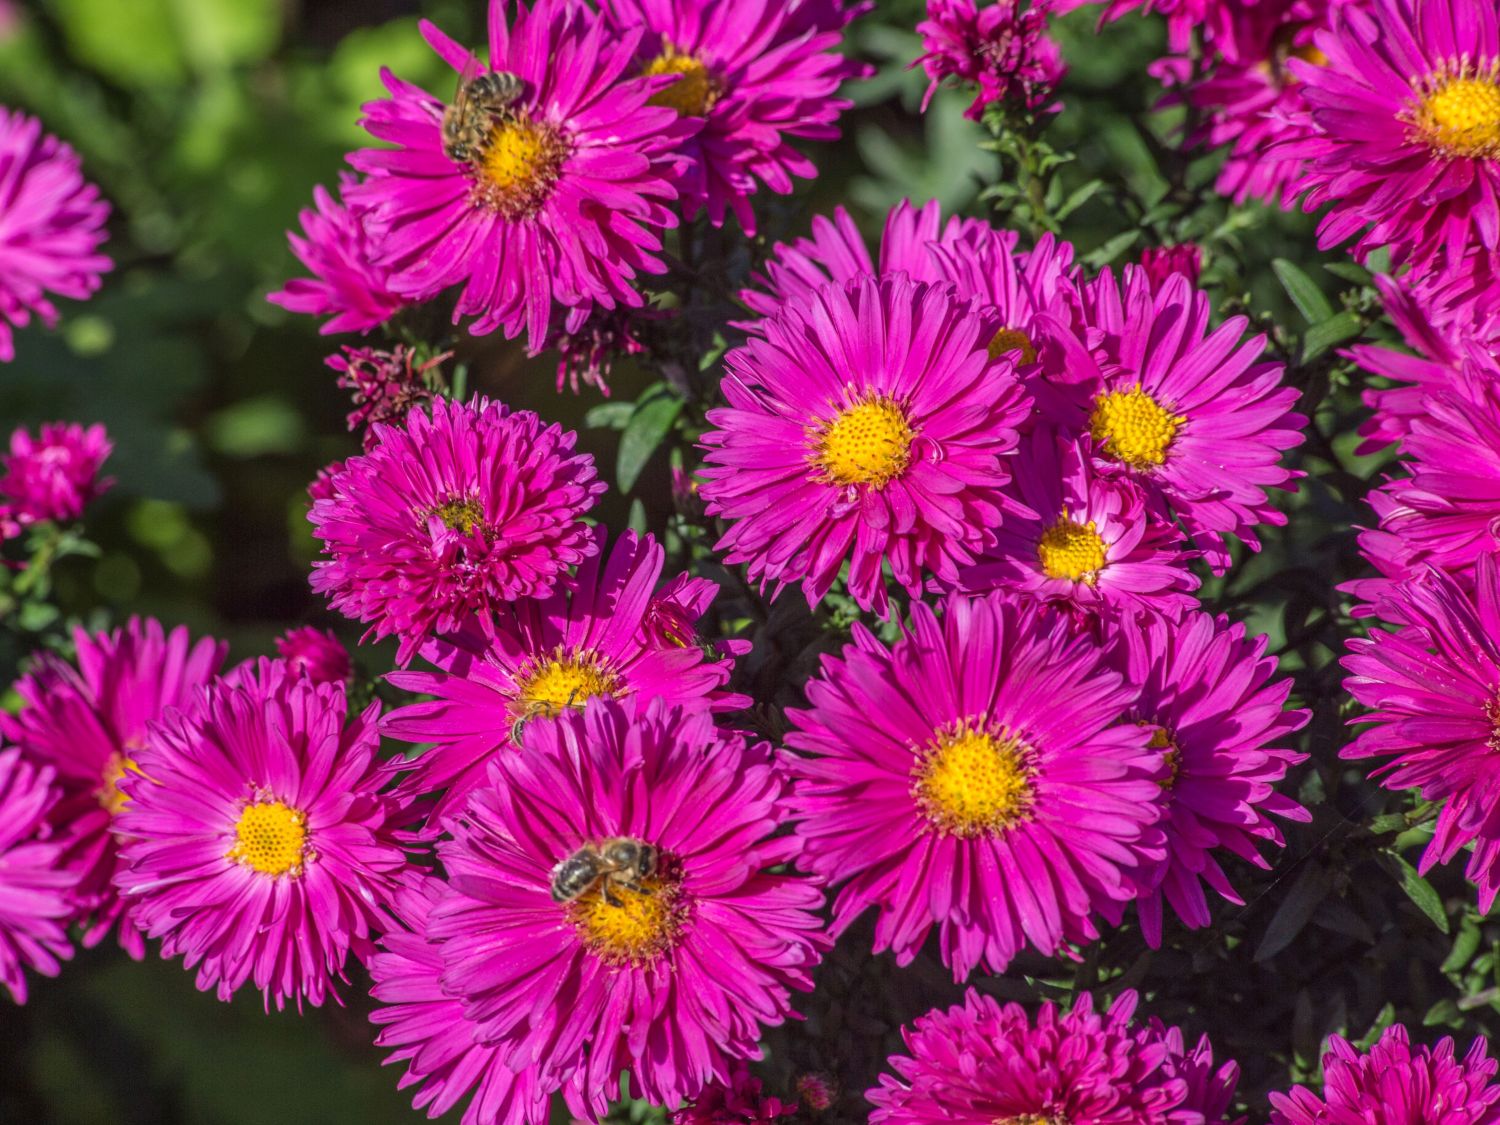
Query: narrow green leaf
(609,416)
(1330,333)
(1107,253)
(1295,911)
(1418,889)
(1348,271)
(1303,291)
(648,426)
(1464,946)
(1077,199)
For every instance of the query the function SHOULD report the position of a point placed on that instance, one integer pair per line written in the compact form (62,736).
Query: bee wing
(471,70)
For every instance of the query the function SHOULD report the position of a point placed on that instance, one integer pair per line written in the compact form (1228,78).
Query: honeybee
(532,710)
(617,862)
(466,123)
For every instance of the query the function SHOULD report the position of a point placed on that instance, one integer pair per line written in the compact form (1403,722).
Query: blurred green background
(207,124)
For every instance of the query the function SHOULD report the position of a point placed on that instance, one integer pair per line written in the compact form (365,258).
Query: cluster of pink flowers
(1002,49)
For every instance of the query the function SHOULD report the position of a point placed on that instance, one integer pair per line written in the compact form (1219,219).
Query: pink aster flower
(1395,1084)
(737,1102)
(51,225)
(386,385)
(1207,694)
(587,352)
(460,513)
(756,76)
(975,777)
(54,475)
(984,1061)
(559,195)
(1431,690)
(88,723)
(1185,18)
(671,980)
(347,285)
(1161,262)
(866,425)
(36,884)
(1082,542)
(836,253)
(1404,123)
(1002,48)
(1188,413)
(316,654)
(426,1028)
(594,637)
(321,486)
(254,839)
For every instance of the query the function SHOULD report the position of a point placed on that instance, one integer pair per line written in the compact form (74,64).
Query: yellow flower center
(1072,550)
(566,679)
(695,91)
(1031,1119)
(1161,739)
(271,837)
(1013,340)
(867,443)
(110,797)
(1459,114)
(972,780)
(1134,427)
(519,163)
(637,927)
(461,515)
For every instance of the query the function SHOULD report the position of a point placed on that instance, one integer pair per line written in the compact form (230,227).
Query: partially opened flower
(459,513)
(1394,1083)
(1207,695)
(1081,542)
(1403,119)
(54,475)
(51,226)
(1190,414)
(255,841)
(611,632)
(984,1061)
(736,1102)
(347,286)
(316,654)
(558,195)
(1431,688)
(386,386)
(757,76)
(867,425)
(672,970)
(975,778)
(89,723)
(36,883)
(1002,48)
(1161,262)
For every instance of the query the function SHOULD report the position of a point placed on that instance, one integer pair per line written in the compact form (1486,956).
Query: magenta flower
(600,635)
(1394,1084)
(54,475)
(1161,262)
(253,837)
(385,385)
(975,777)
(756,76)
(51,226)
(867,425)
(426,1028)
(1431,690)
(671,981)
(562,198)
(1404,130)
(36,883)
(89,725)
(347,285)
(586,352)
(457,514)
(316,654)
(1207,695)
(1187,413)
(1081,542)
(1184,17)
(1002,48)
(836,253)
(984,1061)
(737,1102)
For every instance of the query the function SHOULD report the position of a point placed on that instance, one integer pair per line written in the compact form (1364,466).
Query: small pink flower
(1002,48)
(54,475)
(1161,262)
(316,654)
(385,385)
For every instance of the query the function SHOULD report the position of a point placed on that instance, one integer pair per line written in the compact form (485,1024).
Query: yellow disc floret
(270,837)
(461,515)
(1013,340)
(695,91)
(518,165)
(567,678)
(634,928)
(1458,114)
(1161,739)
(1134,427)
(1072,550)
(110,797)
(866,443)
(972,780)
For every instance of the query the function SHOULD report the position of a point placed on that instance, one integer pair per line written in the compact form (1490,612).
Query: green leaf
(1077,199)
(609,416)
(1348,271)
(1303,291)
(1295,911)
(1418,889)
(1330,333)
(648,426)
(1464,946)
(1112,249)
